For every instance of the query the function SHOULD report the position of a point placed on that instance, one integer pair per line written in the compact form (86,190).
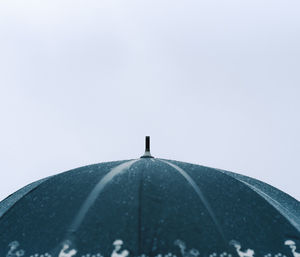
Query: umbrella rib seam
(200,195)
(31,190)
(96,191)
(268,199)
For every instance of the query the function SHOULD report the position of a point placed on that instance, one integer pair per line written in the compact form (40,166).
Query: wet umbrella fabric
(149,207)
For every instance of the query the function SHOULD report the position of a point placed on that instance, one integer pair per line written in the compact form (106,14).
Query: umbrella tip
(147,153)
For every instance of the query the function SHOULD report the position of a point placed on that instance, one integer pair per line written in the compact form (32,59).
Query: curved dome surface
(149,207)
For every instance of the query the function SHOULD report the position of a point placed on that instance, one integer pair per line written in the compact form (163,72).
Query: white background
(212,82)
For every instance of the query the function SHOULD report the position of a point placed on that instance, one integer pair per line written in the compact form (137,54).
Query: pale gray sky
(212,82)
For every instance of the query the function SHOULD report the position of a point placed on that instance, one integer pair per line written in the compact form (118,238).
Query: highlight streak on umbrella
(97,191)
(282,210)
(200,195)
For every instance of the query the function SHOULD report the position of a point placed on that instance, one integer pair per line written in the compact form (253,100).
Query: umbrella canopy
(149,207)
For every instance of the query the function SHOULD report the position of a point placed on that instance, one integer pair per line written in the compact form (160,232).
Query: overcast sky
(212,82)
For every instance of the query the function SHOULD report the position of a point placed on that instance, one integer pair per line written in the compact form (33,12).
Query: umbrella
(149,207)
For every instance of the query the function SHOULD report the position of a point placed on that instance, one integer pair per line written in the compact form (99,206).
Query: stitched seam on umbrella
(270,200)
(200,195)
(140,212)
(24,195)
(96,191)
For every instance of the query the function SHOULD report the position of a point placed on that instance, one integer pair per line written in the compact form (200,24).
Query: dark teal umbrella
(149,207)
